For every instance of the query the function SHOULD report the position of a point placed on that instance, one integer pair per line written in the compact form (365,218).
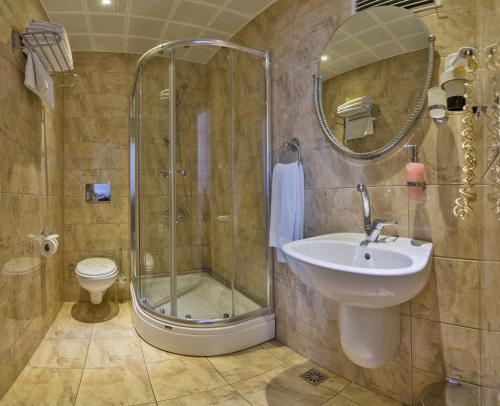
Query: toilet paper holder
(48,243)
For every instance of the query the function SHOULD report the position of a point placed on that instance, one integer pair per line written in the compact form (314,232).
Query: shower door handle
(222,219)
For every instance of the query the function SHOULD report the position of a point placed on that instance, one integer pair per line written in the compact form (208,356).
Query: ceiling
(371,36)
(134,26)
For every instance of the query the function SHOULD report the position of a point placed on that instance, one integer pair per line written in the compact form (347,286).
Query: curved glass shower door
(200,247)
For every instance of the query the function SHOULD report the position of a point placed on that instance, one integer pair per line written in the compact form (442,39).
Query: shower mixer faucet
(372,230)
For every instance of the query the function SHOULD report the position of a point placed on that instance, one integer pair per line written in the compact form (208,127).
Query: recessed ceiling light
(324,57)
(105,2)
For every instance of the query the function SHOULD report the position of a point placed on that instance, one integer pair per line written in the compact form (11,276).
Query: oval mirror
(373,79)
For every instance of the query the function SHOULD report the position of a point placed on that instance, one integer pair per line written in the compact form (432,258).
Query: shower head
(183,87)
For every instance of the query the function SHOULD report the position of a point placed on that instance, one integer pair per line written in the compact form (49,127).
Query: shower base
(202,298)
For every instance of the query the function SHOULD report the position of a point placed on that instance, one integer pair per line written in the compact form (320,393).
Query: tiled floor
(92,356)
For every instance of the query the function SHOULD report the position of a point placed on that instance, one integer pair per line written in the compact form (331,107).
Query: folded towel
(354,111)
(358,101)
(59,58)
(37,79)
(287,206)
(358,128)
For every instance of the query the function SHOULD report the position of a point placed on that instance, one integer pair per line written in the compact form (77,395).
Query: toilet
(95,275)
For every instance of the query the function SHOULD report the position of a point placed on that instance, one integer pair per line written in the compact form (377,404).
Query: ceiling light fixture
(105,2)
(324,58)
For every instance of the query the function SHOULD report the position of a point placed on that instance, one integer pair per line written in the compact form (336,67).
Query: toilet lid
(96,267)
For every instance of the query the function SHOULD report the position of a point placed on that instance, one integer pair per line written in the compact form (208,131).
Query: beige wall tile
(445,349)
(434,221)
(490,296)
(95,156)
(452,295)
(490,375)
(78,211)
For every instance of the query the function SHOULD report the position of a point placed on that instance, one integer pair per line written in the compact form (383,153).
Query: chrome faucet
(372,230)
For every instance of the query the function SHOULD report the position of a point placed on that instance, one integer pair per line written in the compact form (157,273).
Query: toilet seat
(96,268)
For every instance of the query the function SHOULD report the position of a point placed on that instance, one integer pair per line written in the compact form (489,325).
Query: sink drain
(314,377)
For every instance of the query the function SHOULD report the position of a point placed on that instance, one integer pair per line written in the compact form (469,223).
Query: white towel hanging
(37,79)
(287,206)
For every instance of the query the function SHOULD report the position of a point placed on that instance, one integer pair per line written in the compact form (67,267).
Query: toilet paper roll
(49,245)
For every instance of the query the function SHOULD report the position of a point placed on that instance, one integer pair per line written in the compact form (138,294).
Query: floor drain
(314,377)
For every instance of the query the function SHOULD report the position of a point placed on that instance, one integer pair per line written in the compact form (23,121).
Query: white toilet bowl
(95,275)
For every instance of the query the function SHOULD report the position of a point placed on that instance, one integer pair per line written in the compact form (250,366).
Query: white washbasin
(381,274)
(370,282)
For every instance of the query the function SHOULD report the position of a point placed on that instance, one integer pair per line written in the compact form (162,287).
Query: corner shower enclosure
(199,186)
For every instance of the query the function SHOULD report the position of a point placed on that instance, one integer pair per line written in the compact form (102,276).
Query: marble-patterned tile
(20,168)
(225,396)
(96,156)
(434,221)
(362,396)
(422,379)
(16,229)
(452,295)
(78,211)
(183,376)
(44,386)
(245,364)
(281,386)
(119,326)
(55,353)
(331,210)
(114,352)
(440,148)
(490,373)
(451,28)
(75,180)
(339,400)
(490,396)
(115,386)
(66,327)
(95,237)
(334,383)
(446,349)
(317,310)
(152,354)
(96,105)
(489,228)
(286,328)
(490,296)
(280,350)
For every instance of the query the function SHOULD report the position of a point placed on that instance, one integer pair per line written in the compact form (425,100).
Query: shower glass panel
(152,182)
(212,201)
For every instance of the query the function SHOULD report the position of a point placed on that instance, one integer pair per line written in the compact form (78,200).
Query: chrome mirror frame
(320,113)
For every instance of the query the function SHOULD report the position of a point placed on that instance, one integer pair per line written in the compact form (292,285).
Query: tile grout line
(84,363)
(147,370)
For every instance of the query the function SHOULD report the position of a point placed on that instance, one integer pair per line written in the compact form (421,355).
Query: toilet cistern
(372,230)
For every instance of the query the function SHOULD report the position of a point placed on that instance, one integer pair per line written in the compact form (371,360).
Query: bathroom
(98,307)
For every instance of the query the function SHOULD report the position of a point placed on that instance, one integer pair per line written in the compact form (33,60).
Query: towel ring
(292,142)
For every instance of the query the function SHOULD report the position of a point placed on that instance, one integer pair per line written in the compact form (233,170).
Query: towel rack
(292,142)
(50,38)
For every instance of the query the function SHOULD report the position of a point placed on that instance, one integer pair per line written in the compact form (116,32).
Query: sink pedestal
(369,281)
(369,336)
